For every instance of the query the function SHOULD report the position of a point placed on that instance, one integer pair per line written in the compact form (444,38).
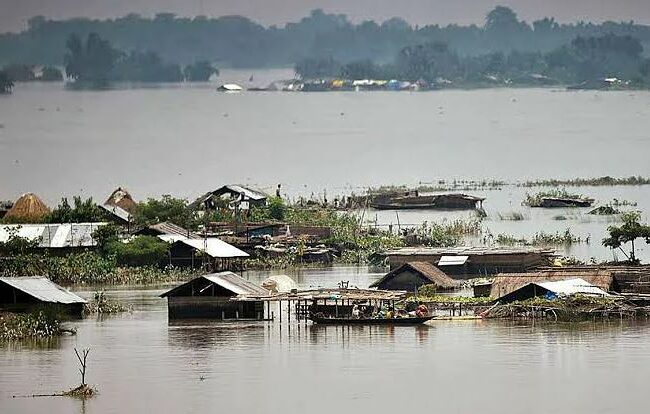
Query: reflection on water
(141,362)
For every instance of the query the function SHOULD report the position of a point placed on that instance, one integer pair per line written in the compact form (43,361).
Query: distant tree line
(583,59)
(235,41)
(97,61)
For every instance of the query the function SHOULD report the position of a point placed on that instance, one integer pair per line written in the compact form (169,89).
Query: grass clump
(535,200)
(100,304)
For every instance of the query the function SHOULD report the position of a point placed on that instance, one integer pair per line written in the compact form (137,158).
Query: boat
(323,320)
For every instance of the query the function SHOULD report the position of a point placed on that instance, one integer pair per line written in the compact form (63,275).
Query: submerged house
(437,201)
(209,296)
(553,290)
(467,262)
(504,284)
(22,294)
(410,276)
(28,208)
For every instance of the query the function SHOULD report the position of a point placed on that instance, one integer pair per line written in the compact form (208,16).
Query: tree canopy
(628,232)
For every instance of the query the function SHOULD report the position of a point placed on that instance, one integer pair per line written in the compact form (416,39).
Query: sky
(14,13)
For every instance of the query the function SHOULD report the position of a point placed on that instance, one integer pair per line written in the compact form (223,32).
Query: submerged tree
(628,232)
(92,61)
(6,84)
(200,71)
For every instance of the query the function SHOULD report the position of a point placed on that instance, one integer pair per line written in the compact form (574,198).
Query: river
(140,362)
(185,140)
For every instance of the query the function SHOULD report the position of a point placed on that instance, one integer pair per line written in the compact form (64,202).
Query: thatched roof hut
(28,208)
(504,284)
(412,275)
(122,199)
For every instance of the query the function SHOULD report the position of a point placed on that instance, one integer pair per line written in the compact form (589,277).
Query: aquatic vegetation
(39,324)
(511,216)
(100,304)
(535,200)
(622,203)
(588,182)
(604,211)
(540,238)
(443,234)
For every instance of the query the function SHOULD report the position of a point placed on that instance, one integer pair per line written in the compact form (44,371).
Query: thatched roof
(121,198)
(508,282)
(28,207)
(427,270)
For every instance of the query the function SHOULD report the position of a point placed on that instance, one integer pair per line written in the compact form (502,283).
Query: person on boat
(356,314)
(422,311)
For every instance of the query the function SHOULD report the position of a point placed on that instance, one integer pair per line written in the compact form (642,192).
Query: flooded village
(324,211)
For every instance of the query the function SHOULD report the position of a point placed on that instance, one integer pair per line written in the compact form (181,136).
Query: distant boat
(230,87)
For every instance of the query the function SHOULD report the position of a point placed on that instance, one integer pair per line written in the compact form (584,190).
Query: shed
(209,296)
(552,290)
(211,252)
(410,276)
(503,284)
(28,208)
(20,294)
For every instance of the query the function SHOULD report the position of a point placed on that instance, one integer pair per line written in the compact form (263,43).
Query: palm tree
(6,84)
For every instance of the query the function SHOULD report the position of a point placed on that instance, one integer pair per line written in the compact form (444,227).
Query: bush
(141,251)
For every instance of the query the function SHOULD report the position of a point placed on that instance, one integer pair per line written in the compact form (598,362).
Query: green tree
(145,67)
(277,208)
(20,72)
(628,232)
(92,61)
(82,211)
(16,245)
(6,84)
(200,71)
(140,251)
(167,208)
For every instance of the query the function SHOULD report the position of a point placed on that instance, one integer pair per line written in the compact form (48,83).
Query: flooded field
(142,363)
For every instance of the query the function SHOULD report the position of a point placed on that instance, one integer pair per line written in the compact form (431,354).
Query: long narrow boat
(369,321)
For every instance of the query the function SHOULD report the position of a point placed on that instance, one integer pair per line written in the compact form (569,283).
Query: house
(60,236)
(22,294)
(230,87)
(120,206)
(168,230)
(553,290)
(437,201)
(232,195)
(5,206)
(210,253)
(504,284)
(468,262)
(28,208)
(208,296)
(410,276)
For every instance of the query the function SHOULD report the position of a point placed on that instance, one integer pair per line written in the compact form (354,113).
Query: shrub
(141,251)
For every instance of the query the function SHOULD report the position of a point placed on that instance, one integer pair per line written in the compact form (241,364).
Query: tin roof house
(21,294)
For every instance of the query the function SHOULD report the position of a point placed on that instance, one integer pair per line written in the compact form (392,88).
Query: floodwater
(140,362)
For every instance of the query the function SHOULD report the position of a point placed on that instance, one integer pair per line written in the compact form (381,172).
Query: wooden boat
(322,320)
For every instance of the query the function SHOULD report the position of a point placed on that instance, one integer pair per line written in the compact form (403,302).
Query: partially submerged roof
(227,280)
(551,290)
(214,247)
(465,251)
(28,206)
(503,284)
(426,270)
(43,289)
(54,235)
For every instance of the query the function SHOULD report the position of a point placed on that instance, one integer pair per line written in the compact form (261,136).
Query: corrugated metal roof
(118,212)
(54,235)
(452,260)
(170,228)
(42,289)
(247,192)
(464,251)
(227,280)
(214,247)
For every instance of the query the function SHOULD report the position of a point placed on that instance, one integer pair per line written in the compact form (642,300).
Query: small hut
(209,296)
(410,276)
(553,290)
(21,294)
(28,208)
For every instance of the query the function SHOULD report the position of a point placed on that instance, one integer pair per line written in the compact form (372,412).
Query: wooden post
(280,310)
(223,315)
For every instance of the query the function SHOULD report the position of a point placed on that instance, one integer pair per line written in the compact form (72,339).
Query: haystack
(122,199)
(28,208)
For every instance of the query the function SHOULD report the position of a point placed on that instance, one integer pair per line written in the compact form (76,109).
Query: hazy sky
(14,13)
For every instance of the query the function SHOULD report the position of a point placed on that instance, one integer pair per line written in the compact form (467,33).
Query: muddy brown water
(140,362)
